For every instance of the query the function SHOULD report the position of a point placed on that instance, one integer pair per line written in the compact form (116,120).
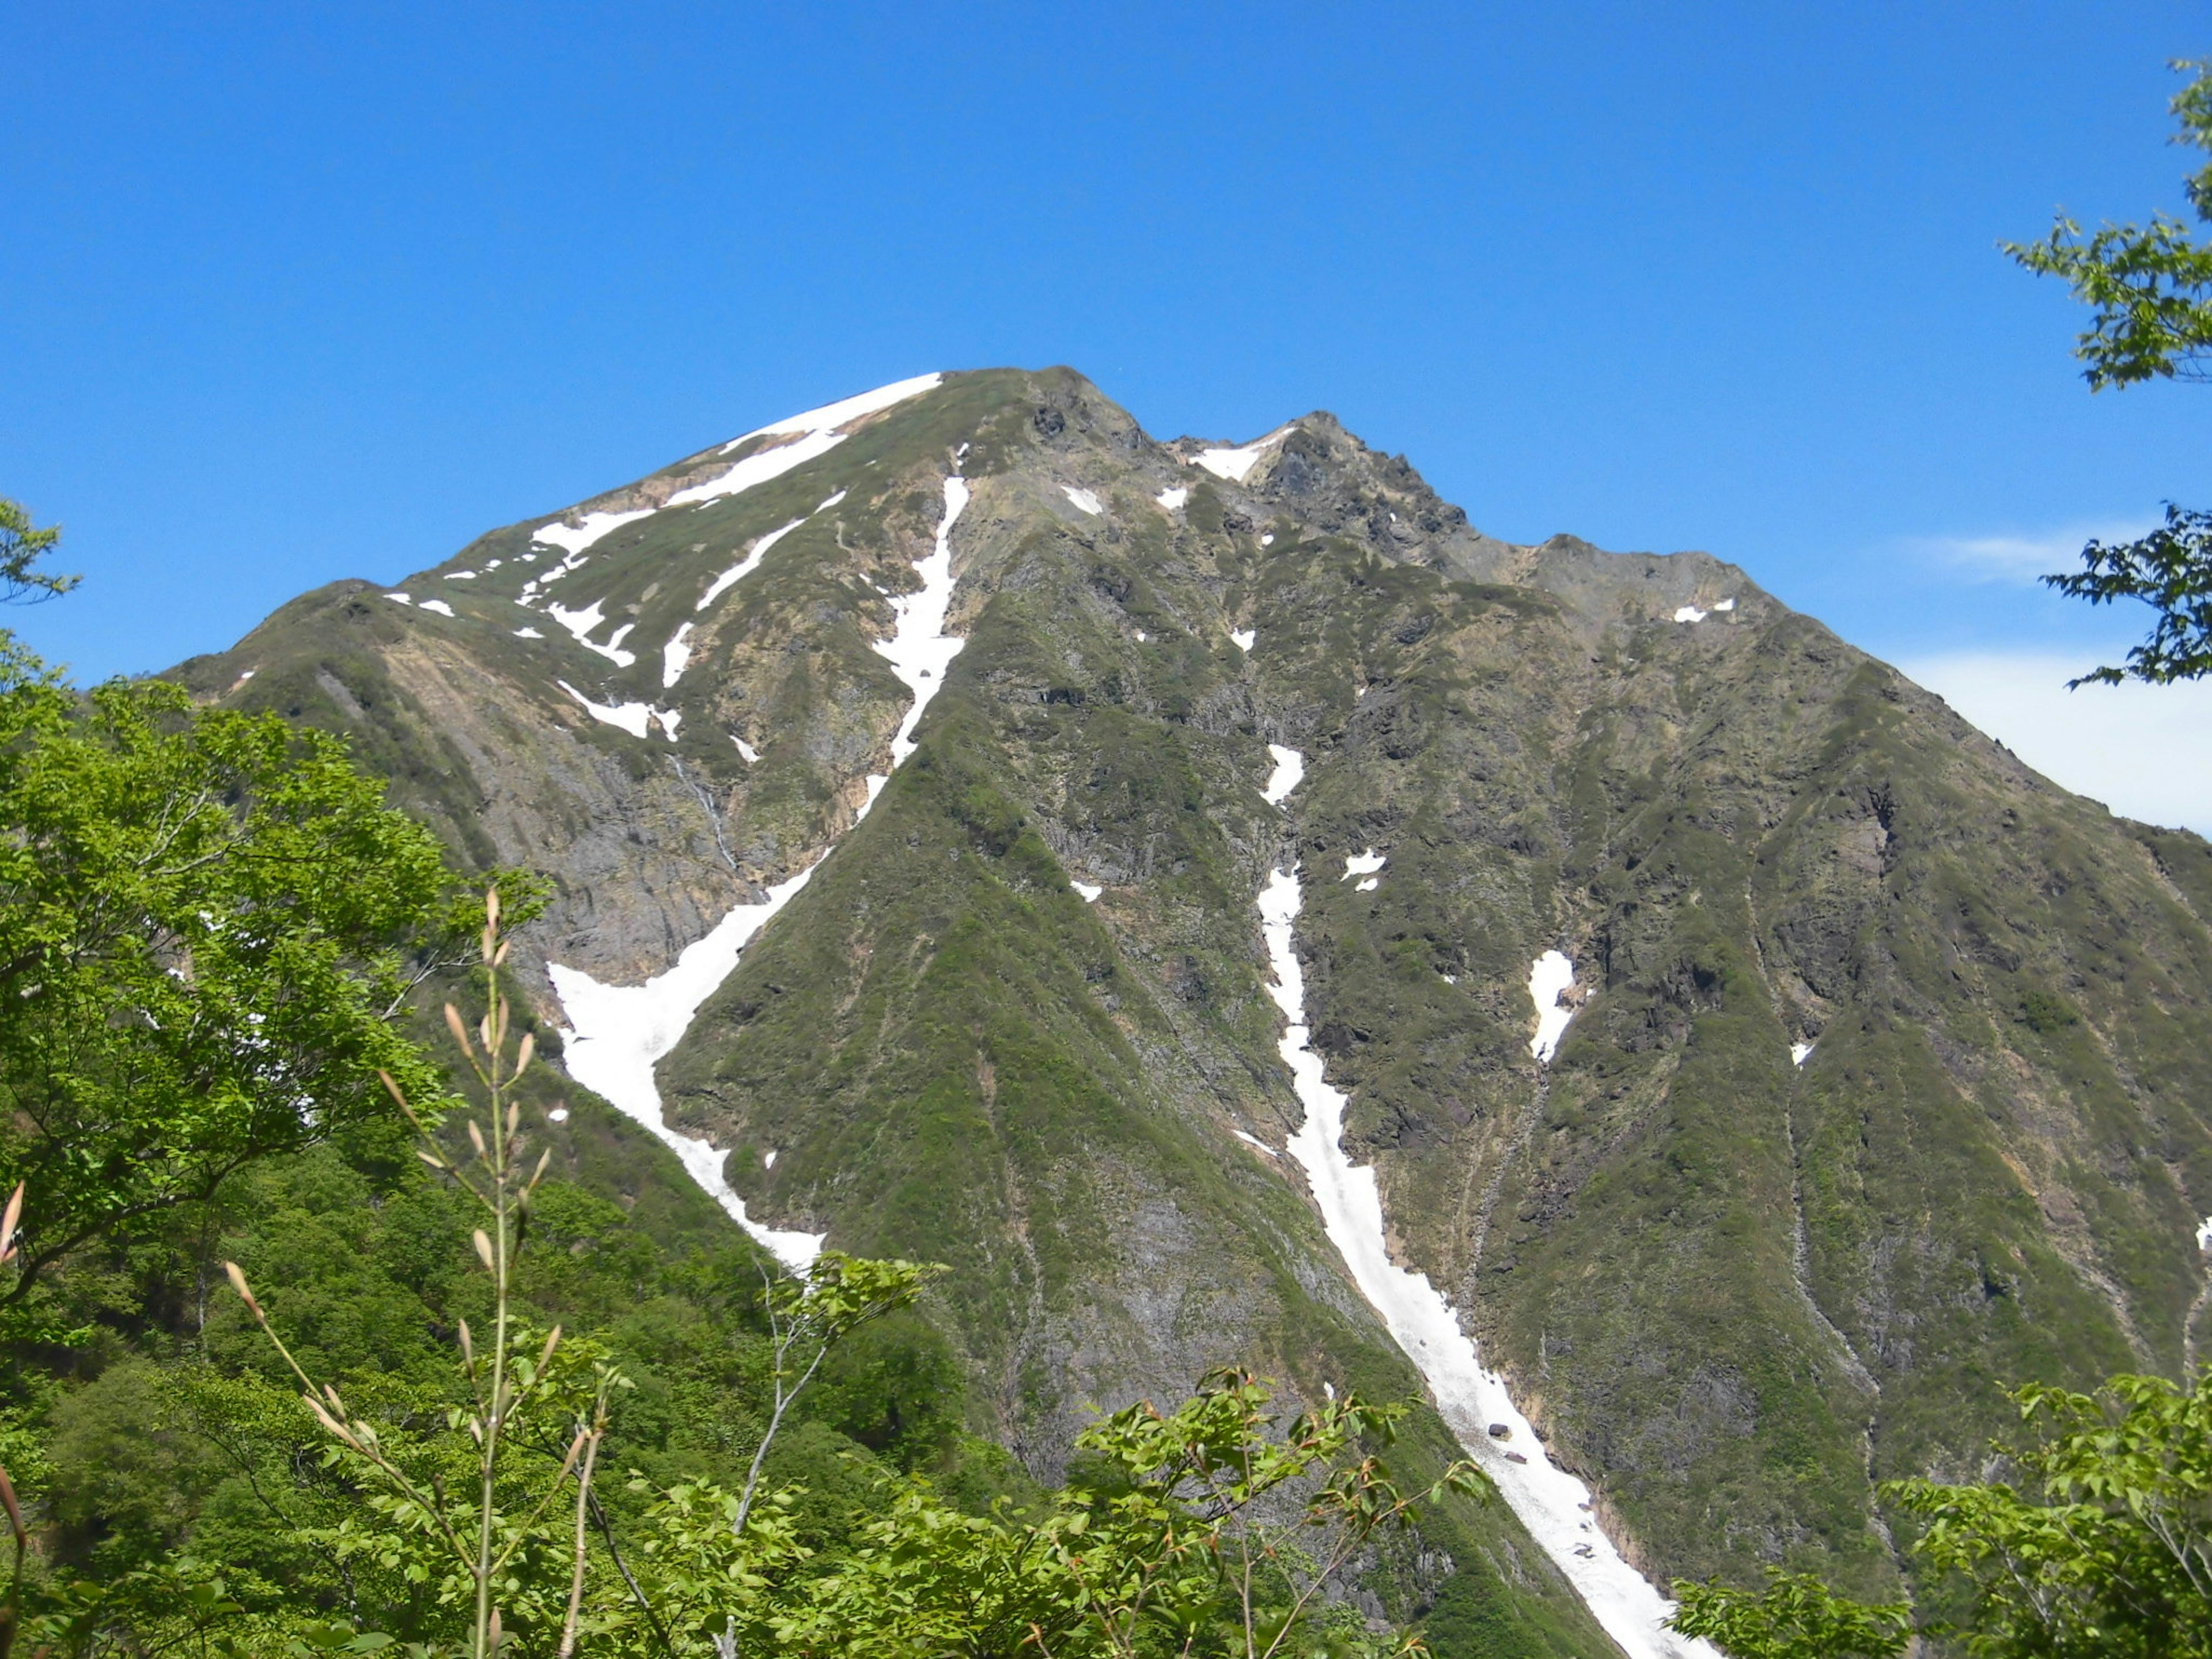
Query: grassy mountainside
(1733,1290)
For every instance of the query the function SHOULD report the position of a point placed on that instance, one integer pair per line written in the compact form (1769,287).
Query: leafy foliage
(2151,286)
(2170,571)
(21,547)
(209,926)
(2105,1546)
(1794,1616)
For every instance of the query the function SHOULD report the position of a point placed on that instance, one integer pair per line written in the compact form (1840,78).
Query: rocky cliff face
(1885,1081)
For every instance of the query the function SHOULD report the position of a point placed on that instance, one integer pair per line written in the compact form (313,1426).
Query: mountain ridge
(1732,1284)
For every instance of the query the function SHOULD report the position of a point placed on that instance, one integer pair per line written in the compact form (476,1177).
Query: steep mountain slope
(1884,1082)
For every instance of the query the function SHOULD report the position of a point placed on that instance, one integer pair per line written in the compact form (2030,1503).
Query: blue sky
(289,292)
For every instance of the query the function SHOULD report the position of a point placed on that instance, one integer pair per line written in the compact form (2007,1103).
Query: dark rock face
(1733,1290)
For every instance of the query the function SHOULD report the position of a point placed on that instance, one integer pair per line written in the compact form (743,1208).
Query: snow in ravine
(1237,465)
(676,656)
(1254,1141)
(1244,639)
(1800,1053)
(746,567)
(1290,768)
(582,623)
(1083,500)
(635,718)
(573,539)
(1550,1502)
(1551,977)
(811,434)
(745,748)
(618,1033)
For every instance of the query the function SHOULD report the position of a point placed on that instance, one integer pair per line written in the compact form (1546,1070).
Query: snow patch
(847,411)
(558,1115)
(1290,770)
(1083,500)
(460,576)
(582,623)
(528,634)
(751,754)
(1800,1053)
(1254,1141)
(2204,1234)
(1173,499)
(812,435)
(1689,613)
(573,539)
(1369,886)
(1090,893)
(1243,639)
(1551,977)
(399,598)
(676,656)
(1723,604)
(1268,540)
(1237,465)
(828,501)
(438,606)
(919,649)
(618,1033)
(1551,1504)
(746,567)
(635,718)
(1363,864)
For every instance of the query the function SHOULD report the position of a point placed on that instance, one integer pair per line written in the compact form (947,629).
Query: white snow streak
(1173,499)
(399,598)
(438,606)
(1090,893)
(1550,976)
(812,435)
(1254,1141)
(528,634)
(1289,768)
(1237,465)
(1800,1053)
(460,576)
(1551,1503)
(919,649)
(1083,500)
(2204,1234)
(745,748)
(635,718)
(847,410)
(746,567)
(573,539)
(676,656)
(1244,639)
(582,623)
(619,1033)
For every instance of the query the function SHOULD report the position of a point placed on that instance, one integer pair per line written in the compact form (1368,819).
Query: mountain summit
(1230,909)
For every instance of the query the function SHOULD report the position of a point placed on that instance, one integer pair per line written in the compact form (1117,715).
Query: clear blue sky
(293,293)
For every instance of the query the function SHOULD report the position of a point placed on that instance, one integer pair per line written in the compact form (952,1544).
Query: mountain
(1228,908)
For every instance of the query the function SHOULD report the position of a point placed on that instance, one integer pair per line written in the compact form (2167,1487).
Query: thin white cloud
(2144,750)
(2022,558)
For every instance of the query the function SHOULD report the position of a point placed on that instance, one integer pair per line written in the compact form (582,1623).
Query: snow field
(1550,976)
(573,539)
(1235,464)
(1549,1502)
(618,1033)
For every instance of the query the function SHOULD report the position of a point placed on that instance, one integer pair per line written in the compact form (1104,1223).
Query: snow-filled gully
(1552,1504)
(618,1033)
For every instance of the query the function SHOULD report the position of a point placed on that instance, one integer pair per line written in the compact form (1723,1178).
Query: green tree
(21,547)
(2150,289)
(211,925)
(1794,1616)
